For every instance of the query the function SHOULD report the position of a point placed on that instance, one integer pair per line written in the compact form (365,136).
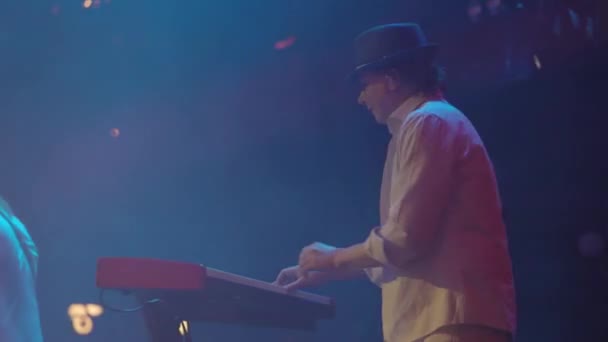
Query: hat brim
(427,52)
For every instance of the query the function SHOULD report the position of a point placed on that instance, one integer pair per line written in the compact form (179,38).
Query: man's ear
(393,80)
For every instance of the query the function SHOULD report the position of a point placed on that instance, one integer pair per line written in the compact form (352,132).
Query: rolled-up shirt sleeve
(420,188)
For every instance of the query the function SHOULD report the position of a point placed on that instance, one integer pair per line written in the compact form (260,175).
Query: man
(440,254)
(19,317)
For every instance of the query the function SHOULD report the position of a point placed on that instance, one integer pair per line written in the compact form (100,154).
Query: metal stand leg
(164,327)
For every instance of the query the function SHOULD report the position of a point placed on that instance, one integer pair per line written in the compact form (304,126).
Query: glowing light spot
(285,43)
(77,310)
(83,325)
(115,132)
(537,62)
(183,328)
(94,310)
(81,314)
(87,3)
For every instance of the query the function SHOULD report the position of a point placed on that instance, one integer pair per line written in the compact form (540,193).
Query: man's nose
(361,99)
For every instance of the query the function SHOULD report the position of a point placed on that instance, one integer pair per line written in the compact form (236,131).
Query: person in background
(19,315)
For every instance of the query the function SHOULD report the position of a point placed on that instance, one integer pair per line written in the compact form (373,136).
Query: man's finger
(281,278)
(278,279)
(299,283)
(303,272)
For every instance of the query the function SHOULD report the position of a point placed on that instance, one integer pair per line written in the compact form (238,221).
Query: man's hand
(317,257)
(290,279)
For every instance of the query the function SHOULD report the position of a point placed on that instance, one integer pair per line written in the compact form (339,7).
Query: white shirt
(19,316)
(442,241)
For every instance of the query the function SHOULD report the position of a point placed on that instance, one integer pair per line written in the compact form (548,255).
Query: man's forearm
(344,274)
(354,258)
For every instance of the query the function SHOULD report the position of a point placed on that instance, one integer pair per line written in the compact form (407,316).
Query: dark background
(235,154)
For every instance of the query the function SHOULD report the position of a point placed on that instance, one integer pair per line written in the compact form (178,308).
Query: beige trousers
(468,333)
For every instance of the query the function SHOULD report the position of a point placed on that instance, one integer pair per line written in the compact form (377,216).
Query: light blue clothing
(19,315)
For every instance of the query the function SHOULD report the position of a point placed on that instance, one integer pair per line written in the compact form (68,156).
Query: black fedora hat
(387,45)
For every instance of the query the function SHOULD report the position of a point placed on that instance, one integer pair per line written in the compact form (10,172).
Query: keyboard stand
(162,326)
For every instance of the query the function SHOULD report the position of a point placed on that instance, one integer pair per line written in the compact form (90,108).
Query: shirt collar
(396,118)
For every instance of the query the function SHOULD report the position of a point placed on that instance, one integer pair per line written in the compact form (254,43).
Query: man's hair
(425,76)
